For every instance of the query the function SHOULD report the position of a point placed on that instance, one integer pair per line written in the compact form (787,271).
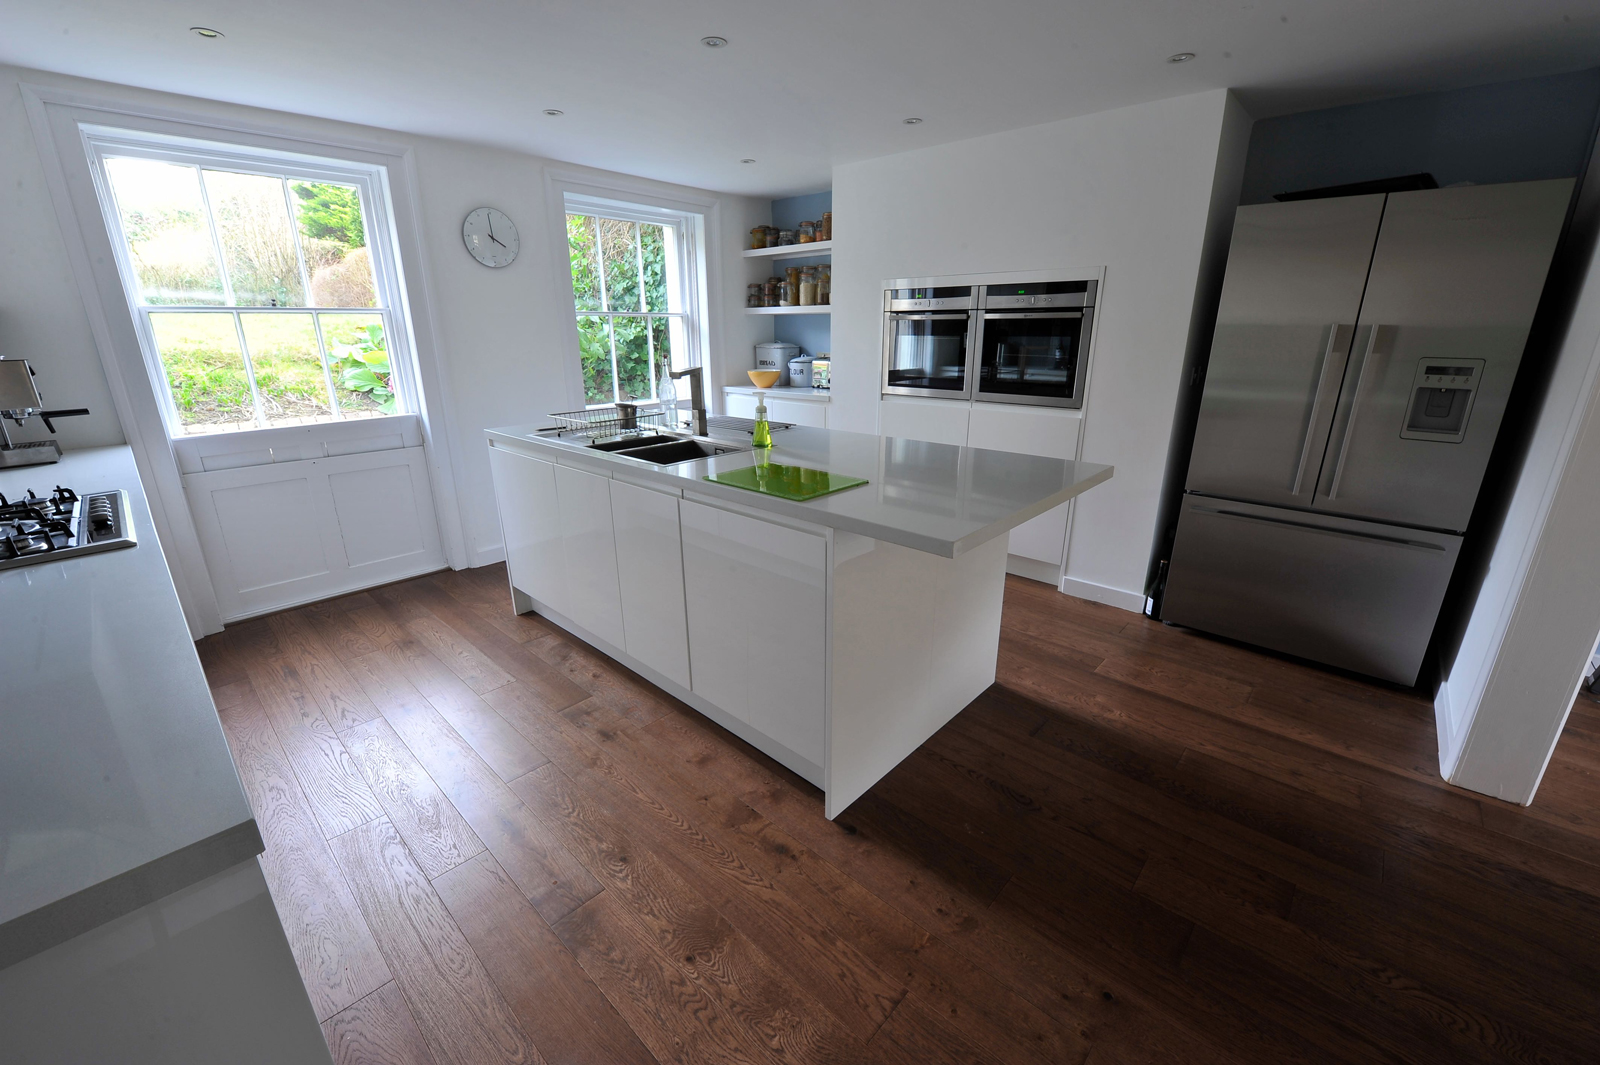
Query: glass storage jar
(752,297)
(825,227)
(771,292)
(785,237)
(808,286)
(758,237)
(806,233)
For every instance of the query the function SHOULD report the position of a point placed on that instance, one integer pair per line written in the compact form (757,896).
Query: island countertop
(116,784)
(938,498)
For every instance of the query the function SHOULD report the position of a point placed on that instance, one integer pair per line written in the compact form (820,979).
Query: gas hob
(62,525)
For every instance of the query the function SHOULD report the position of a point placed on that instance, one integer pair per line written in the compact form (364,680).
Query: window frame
(689,278)
(102,142)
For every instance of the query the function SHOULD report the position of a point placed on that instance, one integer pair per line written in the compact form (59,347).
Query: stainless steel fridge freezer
(1364,350)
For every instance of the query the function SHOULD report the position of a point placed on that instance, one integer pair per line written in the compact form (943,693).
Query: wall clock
(490,236)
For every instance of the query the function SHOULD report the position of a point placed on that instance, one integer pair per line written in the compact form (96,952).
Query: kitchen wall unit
(1147,192)
(1038,547)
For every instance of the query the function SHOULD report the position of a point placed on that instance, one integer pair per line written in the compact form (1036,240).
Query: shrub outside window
(256,290)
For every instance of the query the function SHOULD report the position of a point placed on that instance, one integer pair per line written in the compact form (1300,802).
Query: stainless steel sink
(626,443)
(681,450)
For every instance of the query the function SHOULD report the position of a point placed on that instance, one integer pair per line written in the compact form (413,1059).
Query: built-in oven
(927,334)
(1032,342)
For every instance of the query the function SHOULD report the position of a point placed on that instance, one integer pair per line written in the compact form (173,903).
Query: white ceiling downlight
(207,32)
(912,121)
(1180,57)
(554,112)
(747,160)
(714,42)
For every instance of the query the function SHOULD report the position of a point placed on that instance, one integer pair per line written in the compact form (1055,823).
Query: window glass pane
(164,220)
(257,240)
(594,347)
(621,263)
(633,357)
(662,330)
(655,268)
(205,369)
(333,238)
(358,356)
(288,367)
(581,250)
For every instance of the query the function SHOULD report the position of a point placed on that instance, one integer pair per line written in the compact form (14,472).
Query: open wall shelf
(826,308)
(792,251)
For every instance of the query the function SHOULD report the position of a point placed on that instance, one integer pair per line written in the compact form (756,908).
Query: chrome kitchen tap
(697,399)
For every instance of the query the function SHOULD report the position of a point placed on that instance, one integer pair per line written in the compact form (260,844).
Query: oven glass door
(926,354)
(1033,357)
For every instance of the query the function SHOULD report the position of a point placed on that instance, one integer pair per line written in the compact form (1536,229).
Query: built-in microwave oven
(927,334)
(1032,342)
(1002,343)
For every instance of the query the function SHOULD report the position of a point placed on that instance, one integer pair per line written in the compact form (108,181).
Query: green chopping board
(786,482)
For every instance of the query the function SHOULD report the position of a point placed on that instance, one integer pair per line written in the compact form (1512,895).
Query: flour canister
(775,355)
(800,372)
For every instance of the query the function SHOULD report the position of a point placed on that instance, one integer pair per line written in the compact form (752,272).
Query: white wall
(1534,623)
(1130,190)
(500,340)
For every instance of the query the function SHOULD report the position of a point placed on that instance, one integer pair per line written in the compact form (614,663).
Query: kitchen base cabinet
(525,490)
(798,412)
(939,420)
(757,603)
(1038,546)
(650,572)
(588,546)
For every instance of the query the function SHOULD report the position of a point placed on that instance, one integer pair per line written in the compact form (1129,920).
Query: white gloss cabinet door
(944,421)
(740,405)
(808,412)
(757,607)
(589,547)
(530,521)
(650,572)
(1043,431)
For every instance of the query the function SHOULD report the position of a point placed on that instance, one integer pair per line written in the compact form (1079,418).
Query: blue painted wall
(1513,131)
(812,333)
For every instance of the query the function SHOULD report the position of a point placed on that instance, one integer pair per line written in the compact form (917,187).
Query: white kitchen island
(835,634)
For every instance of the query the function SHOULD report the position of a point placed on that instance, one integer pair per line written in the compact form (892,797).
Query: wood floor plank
(1142,844)
(552,879)
(565,1013)
(695,936)
(457,1007)
(537,675)
(343,702)
(332,946)
(461,658)
(338,794)
(378,1030)
(438,837)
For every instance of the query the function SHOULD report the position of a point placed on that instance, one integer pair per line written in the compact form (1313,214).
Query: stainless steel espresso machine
(19,401)
(1364,351)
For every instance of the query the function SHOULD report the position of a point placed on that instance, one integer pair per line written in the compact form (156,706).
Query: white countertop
(821,395)
(938,498)
(116,784)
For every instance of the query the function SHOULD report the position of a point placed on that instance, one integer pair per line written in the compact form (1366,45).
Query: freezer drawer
(1347,593)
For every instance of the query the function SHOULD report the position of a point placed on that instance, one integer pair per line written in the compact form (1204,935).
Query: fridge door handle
(1314,527)
(1333,362)
(1376,347)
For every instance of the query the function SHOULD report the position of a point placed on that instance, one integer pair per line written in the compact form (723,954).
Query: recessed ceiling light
(912,121)
(747,160)
(554,112)
(205,31)
(1180,57)
(714,42)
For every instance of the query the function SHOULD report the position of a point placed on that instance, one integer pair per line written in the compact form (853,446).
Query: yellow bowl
(764,378)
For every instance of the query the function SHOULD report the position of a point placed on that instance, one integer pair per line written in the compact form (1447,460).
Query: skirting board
(1033,569)
(1449,742)
(1099,593)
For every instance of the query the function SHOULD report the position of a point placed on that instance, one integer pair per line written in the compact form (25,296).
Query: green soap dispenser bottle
(762,437)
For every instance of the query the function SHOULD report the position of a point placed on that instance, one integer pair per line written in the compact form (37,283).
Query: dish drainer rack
(610,420)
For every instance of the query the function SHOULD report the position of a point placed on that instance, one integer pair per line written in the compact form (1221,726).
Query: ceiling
(801,86)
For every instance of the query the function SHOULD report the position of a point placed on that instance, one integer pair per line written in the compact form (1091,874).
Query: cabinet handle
(1400,541)
(1374,353)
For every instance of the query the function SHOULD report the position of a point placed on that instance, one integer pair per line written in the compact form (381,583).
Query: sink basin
(626,443)
(680,451)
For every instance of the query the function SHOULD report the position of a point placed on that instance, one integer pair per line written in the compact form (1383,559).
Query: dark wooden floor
(489,843)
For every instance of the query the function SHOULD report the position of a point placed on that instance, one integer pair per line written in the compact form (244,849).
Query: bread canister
(775,355)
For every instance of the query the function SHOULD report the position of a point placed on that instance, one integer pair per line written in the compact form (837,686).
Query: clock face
(490,236)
